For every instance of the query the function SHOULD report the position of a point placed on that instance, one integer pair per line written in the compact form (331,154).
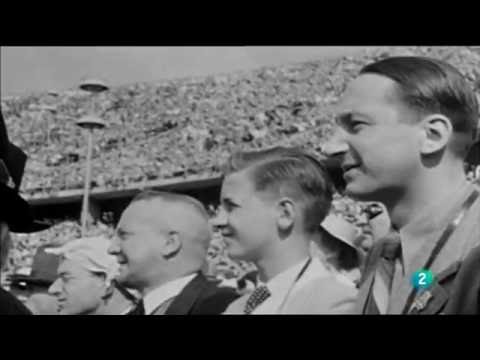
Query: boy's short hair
(289,172)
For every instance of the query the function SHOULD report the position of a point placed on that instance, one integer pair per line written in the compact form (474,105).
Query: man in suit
(272,204)
(15,213)
(405,127)
(85,283)
(161,244)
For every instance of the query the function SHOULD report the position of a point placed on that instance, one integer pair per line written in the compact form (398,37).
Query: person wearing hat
(335,245)
(85,284)
(36,281)
(15,213)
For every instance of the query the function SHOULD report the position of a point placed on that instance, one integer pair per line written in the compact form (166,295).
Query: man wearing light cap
(335,246)
(85,284)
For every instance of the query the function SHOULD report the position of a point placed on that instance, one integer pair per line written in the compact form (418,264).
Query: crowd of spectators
(181,127)
(176,128)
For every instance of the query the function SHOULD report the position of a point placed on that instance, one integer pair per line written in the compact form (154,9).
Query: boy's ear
(286,214)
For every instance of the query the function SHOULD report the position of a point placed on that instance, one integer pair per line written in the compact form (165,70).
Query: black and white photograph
(240,180)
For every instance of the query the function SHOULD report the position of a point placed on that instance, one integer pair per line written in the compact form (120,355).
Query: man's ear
(109,287)
(172,244)
(437,131)
(286,214)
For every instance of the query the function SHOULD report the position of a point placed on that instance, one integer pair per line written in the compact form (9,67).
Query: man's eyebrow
(347,116)
(343,117)
(122,232)
(228,200)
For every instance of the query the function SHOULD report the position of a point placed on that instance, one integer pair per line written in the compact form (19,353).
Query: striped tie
(258,296)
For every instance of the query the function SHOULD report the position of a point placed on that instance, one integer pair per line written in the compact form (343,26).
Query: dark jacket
(10,305)
(202,296)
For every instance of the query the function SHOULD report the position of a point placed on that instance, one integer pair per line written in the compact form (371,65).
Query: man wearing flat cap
(85,283)
(15,213)
(335,246)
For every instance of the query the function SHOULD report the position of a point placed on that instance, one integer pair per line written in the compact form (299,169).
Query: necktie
(258,296)
(138,310)
(382,286)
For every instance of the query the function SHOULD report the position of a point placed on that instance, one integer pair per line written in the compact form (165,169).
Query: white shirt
(279,287)
(165,292)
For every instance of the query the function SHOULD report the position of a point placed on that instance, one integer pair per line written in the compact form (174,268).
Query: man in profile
(161,246)
(272,204)
(85,284)
(405,126)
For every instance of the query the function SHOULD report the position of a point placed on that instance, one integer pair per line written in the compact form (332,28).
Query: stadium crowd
(182,127)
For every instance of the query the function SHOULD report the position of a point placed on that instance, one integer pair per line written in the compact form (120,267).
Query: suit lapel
(183,303)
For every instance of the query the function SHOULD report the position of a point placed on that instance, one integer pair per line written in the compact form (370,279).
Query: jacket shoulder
(465,292)
(215,299)
(10,305)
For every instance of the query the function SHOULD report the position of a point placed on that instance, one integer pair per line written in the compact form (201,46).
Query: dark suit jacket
(10,305)
(202,297)
(456,288)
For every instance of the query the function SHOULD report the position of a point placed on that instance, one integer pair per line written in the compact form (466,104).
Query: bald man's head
(175,212)
(160,233)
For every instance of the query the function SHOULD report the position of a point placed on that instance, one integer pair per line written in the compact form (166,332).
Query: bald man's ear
(172,245)
(437,131)
(109,288)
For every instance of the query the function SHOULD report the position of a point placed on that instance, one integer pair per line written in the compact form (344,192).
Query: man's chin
(360,194)
(123,279)
(235,253)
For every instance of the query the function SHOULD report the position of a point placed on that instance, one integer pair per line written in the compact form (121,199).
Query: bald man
(161,245)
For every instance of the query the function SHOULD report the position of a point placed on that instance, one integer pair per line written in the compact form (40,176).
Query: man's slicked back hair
(432,86)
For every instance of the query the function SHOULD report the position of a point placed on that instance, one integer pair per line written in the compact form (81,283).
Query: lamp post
(90,123)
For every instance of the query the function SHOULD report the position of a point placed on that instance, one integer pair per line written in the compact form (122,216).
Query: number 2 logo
(421,281)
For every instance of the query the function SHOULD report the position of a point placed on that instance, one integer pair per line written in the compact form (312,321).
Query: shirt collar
(158,296)
(430,223)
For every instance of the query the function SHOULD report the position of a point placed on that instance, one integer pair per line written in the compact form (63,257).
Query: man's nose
(113,249)
(336,145)
(219,220)
(54,289)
